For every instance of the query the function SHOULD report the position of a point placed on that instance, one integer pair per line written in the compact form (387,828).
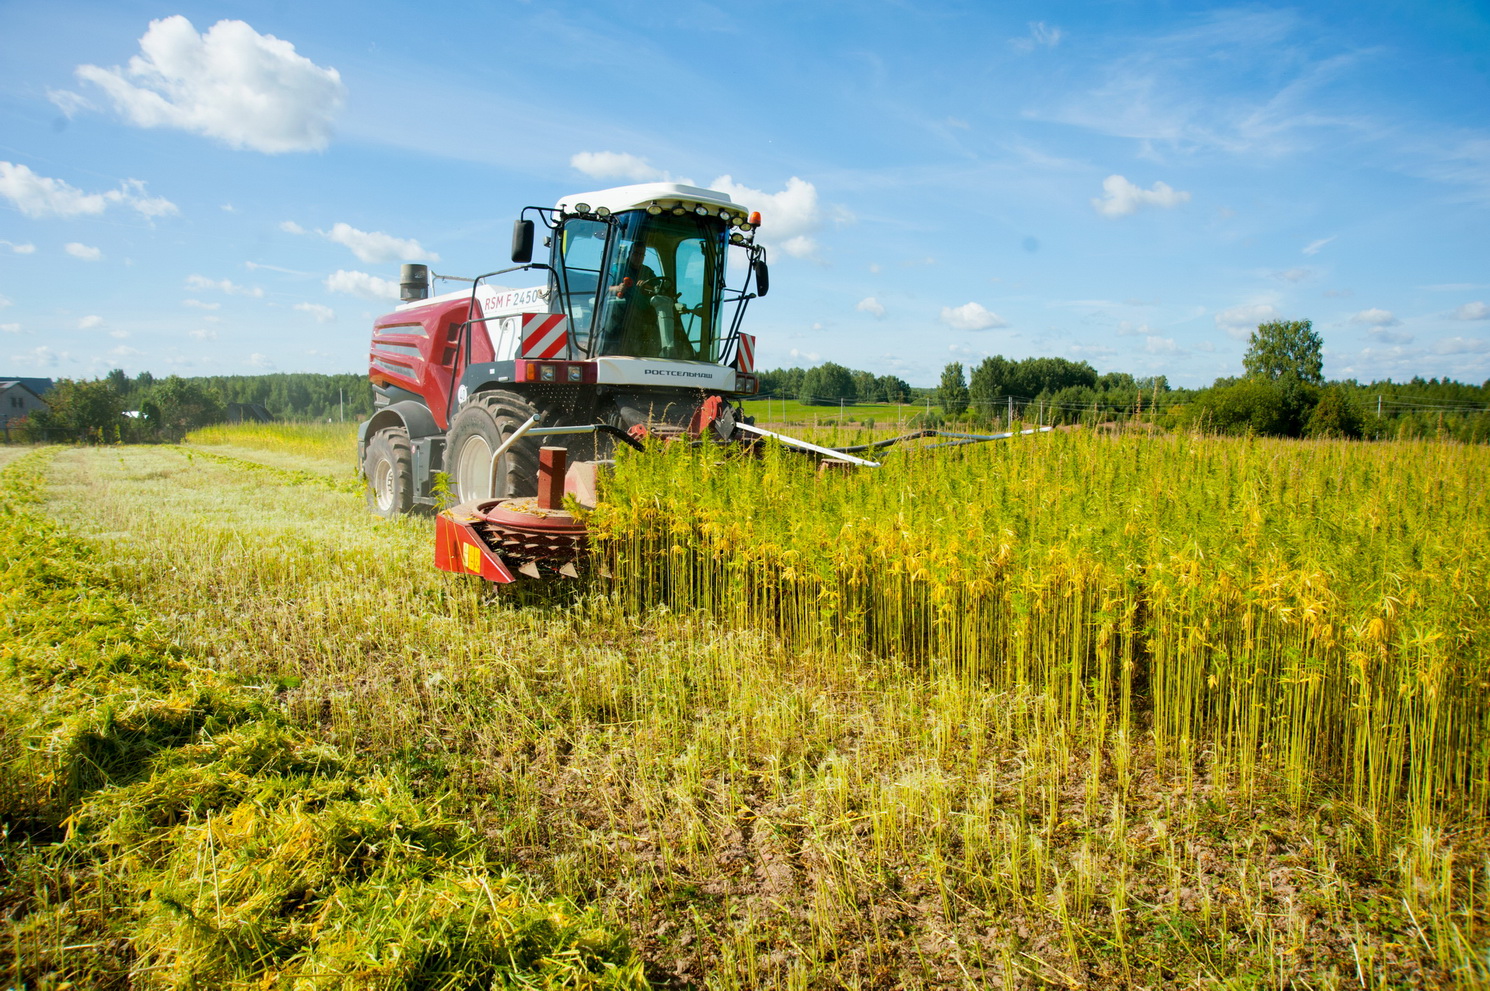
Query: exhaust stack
(413,282)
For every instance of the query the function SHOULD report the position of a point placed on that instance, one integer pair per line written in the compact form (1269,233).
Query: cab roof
(642,195)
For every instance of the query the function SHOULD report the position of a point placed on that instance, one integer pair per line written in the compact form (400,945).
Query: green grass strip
(288,476)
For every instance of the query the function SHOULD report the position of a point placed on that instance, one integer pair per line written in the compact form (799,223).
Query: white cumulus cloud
(1473,311)
(261,361)
(971,316)
(20,249)
(90,322)
(1120,197)
(41,196)
(1376,318)
(789,218)
(290,227)
(870,305)
(198,304)
(375,247)
(222,285)
(361,284)
(323,314)
(1240,321)
(202,335)
(10,328)
(86,252)
(232,84)
(616,165)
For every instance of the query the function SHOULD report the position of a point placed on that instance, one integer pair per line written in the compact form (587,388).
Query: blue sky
(202,189)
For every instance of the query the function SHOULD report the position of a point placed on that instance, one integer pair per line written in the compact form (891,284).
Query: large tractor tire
(390,473)
(477,431)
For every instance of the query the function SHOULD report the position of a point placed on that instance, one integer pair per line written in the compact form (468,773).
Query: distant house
(19,398)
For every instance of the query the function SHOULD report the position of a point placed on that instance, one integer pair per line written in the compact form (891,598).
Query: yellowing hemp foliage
(1320,608)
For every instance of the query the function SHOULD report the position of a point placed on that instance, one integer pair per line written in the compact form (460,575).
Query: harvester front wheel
(390,473)
(477,431)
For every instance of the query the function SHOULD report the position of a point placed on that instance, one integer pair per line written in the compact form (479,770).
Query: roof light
(755,218)
(678,211)
(701,210)
(654,208)
(747,228)
(724,215)
(737,239)
(602,211)
(581,208)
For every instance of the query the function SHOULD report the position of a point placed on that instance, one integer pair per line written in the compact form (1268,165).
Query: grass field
(790,412)
(1068,712)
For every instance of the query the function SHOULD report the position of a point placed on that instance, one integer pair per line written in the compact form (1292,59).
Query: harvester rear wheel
(478,430)
(390,473)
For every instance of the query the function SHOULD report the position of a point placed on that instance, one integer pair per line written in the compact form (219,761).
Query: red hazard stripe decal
(745,358)
(545,335)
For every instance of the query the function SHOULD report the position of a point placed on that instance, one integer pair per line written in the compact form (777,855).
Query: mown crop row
(163,824)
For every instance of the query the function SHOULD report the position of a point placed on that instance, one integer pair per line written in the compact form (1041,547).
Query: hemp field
(1071,711)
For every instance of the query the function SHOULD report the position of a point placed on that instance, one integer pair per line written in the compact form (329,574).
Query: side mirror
(522,241)
(762,278)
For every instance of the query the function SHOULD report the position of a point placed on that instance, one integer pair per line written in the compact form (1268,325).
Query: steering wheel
(661,286)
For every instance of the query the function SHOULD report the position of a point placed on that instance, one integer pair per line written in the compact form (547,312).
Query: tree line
(145,408)
(1282,392)
(829,384)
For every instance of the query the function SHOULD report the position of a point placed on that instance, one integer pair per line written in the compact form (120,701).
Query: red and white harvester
(517,394)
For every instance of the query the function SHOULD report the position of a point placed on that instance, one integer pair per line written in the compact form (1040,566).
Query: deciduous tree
(952,394)
(1285,349)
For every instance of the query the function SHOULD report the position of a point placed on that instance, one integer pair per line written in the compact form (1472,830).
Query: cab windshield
(659,287)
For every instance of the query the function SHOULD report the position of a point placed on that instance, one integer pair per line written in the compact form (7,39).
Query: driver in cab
(642,317)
